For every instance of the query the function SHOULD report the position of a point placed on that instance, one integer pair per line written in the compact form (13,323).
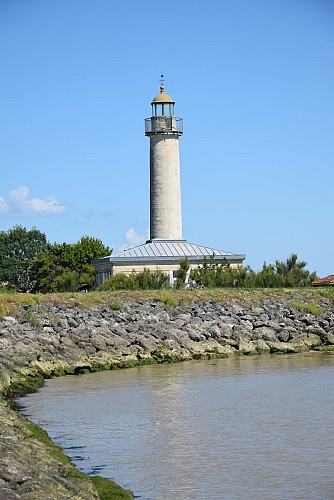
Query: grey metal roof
(158,250)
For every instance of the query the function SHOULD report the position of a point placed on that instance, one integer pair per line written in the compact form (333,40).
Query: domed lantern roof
(162,105)
(163,97)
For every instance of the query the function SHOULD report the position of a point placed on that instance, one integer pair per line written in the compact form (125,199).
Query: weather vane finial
(162,88)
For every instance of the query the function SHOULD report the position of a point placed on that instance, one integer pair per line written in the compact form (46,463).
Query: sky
(253,81)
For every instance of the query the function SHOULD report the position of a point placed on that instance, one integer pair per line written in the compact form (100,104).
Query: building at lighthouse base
(163,255)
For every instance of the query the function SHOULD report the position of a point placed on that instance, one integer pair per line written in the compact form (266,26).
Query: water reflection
(248,427)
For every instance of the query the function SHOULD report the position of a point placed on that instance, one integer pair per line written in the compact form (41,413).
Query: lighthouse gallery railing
(160,124)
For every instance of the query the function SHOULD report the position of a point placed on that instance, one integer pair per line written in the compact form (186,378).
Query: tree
(62,267)
(18,248)
(181,273)
(210,274)
(293,273)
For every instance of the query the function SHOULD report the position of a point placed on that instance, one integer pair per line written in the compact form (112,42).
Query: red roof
(328,281)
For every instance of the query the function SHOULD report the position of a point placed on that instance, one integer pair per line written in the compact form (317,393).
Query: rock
(246,347)
(283,335)
(265,333)
(260,346)
(327,338)
(312,340)
(246,324)
(228,320)
(279,347)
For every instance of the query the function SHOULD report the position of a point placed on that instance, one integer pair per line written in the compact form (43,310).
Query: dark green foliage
(120,282)
(146,280)
(291,273)
(62,267)
(182,273)
(151,280)
(28,263)
(18,248)
(211,274)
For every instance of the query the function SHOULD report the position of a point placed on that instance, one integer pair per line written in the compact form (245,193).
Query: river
(240,428)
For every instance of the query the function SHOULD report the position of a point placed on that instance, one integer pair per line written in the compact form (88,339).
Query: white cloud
(19,203)
(133,238)
(48,206)
(20,194)
(3,205)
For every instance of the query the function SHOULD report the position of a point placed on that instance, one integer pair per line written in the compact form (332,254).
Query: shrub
(146,280)
(31,318)
(115,305)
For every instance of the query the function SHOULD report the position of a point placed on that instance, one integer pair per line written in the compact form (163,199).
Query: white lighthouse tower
(166,247)
(164,130)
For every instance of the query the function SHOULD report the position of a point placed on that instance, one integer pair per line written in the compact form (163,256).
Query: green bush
(145,280)
(115,305)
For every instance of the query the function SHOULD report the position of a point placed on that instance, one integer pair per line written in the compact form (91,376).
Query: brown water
(242,428)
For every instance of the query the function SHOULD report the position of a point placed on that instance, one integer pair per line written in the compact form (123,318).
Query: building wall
(105,270)
(164,267)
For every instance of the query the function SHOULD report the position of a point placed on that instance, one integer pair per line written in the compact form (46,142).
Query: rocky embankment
(55,338)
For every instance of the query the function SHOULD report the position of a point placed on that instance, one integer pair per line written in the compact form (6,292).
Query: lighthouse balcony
(163,124)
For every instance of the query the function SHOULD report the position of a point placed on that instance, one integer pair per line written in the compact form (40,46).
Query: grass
(11,303)
(308,308)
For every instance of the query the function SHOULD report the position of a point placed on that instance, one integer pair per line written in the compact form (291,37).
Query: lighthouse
(164,130)
(166,246)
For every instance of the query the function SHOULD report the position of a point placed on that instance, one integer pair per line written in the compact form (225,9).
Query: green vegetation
(182,273)
(115,305)
(169,299)
(145,280)
(307,308)
(211,274)
(18,249)
(288,274)
(109,490)
(11,303)
(31,318)
(23,386)
(63,267)
(28,263)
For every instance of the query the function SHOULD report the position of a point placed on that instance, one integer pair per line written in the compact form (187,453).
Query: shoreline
(55,337)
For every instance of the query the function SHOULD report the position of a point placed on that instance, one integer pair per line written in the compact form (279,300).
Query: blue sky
(253,81)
